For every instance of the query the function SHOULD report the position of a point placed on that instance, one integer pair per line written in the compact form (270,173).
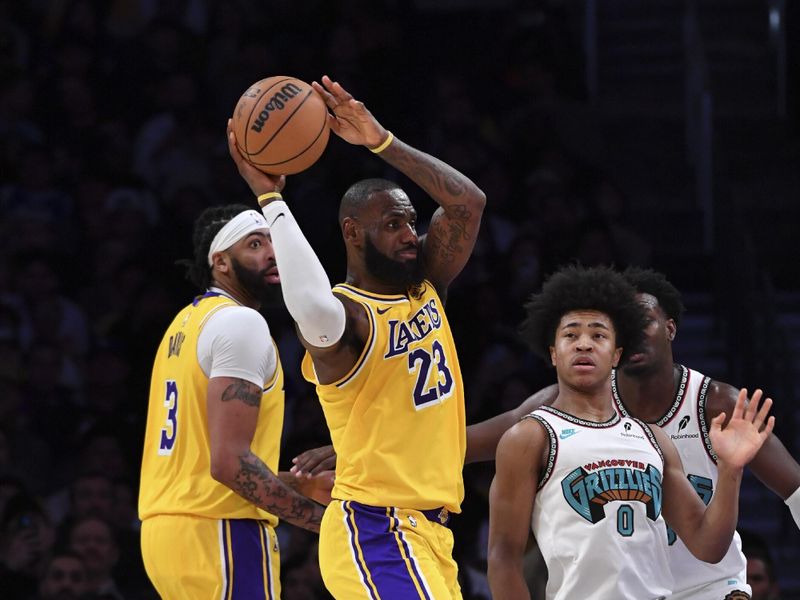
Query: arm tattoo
(255,483)
(244,391)
(452,236)
(431,174)
(446,244)
(289,481)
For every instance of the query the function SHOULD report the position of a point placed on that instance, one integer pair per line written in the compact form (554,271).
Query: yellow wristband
(262,199)
(384,145)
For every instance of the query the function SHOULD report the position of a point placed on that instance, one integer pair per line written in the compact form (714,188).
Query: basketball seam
(322,129)
(285,122)
(252,110)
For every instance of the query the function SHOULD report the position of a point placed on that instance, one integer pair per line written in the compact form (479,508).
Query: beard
(254,283)
(403,274)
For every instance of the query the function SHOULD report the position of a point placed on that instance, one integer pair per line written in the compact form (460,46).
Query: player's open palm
(351,120)
(738,442)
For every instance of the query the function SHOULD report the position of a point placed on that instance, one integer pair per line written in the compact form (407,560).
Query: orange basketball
(281,125)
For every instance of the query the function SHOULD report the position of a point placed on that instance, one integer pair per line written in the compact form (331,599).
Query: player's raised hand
(259,182)
(351,120)
(745,433)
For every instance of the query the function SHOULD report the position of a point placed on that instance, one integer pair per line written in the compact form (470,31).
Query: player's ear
(552,355)
(351,230)
(672,329)
(617,356)
(220,262)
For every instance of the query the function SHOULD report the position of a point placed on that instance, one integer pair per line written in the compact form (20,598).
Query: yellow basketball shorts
(214,559)
(386,553)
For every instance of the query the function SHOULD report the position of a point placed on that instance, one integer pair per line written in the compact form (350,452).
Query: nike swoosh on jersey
(383,311)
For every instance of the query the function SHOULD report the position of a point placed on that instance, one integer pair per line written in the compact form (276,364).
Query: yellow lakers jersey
(176,469)
(397,418)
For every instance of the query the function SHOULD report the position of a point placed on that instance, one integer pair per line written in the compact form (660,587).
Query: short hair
(206,226)
(648,281)
(358,195)
(581,288)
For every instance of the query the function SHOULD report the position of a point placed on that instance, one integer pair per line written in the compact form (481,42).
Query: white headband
(239,226)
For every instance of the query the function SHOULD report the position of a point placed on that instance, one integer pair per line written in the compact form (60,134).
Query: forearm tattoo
(290,481)
(431,174)
(244,391)
(255,483)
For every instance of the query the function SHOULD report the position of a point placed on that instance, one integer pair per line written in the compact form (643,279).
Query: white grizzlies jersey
(597,515)
(687,426)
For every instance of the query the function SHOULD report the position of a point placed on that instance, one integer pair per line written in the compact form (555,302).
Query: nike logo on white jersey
(567,433)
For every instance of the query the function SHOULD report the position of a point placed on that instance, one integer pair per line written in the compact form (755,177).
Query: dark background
(661,133)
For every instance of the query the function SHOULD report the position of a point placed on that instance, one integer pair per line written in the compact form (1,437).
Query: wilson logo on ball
(281,125)
(277,102)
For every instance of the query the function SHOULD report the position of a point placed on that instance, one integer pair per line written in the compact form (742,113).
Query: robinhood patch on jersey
(587,492)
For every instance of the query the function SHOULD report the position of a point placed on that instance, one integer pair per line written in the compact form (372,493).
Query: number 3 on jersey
(419,362)
(170,431)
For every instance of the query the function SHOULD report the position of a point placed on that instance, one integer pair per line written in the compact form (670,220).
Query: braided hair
(206,226)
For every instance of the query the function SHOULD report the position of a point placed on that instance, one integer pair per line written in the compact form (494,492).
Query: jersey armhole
(552,451)
(274,378)
(365,352)
(702,420)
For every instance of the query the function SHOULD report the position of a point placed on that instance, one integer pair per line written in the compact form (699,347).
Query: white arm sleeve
(235,342)
(793,502)
(319,314)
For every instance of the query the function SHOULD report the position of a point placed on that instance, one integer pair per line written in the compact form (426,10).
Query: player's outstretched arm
(707,531)
(511,497)
(454,226)
(320,316)
(773,465)
(483,437)
(233,406)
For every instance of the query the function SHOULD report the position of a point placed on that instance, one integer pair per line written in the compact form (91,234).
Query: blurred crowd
(112,121)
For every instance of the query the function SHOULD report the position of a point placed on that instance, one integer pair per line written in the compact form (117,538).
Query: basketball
(281,125)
